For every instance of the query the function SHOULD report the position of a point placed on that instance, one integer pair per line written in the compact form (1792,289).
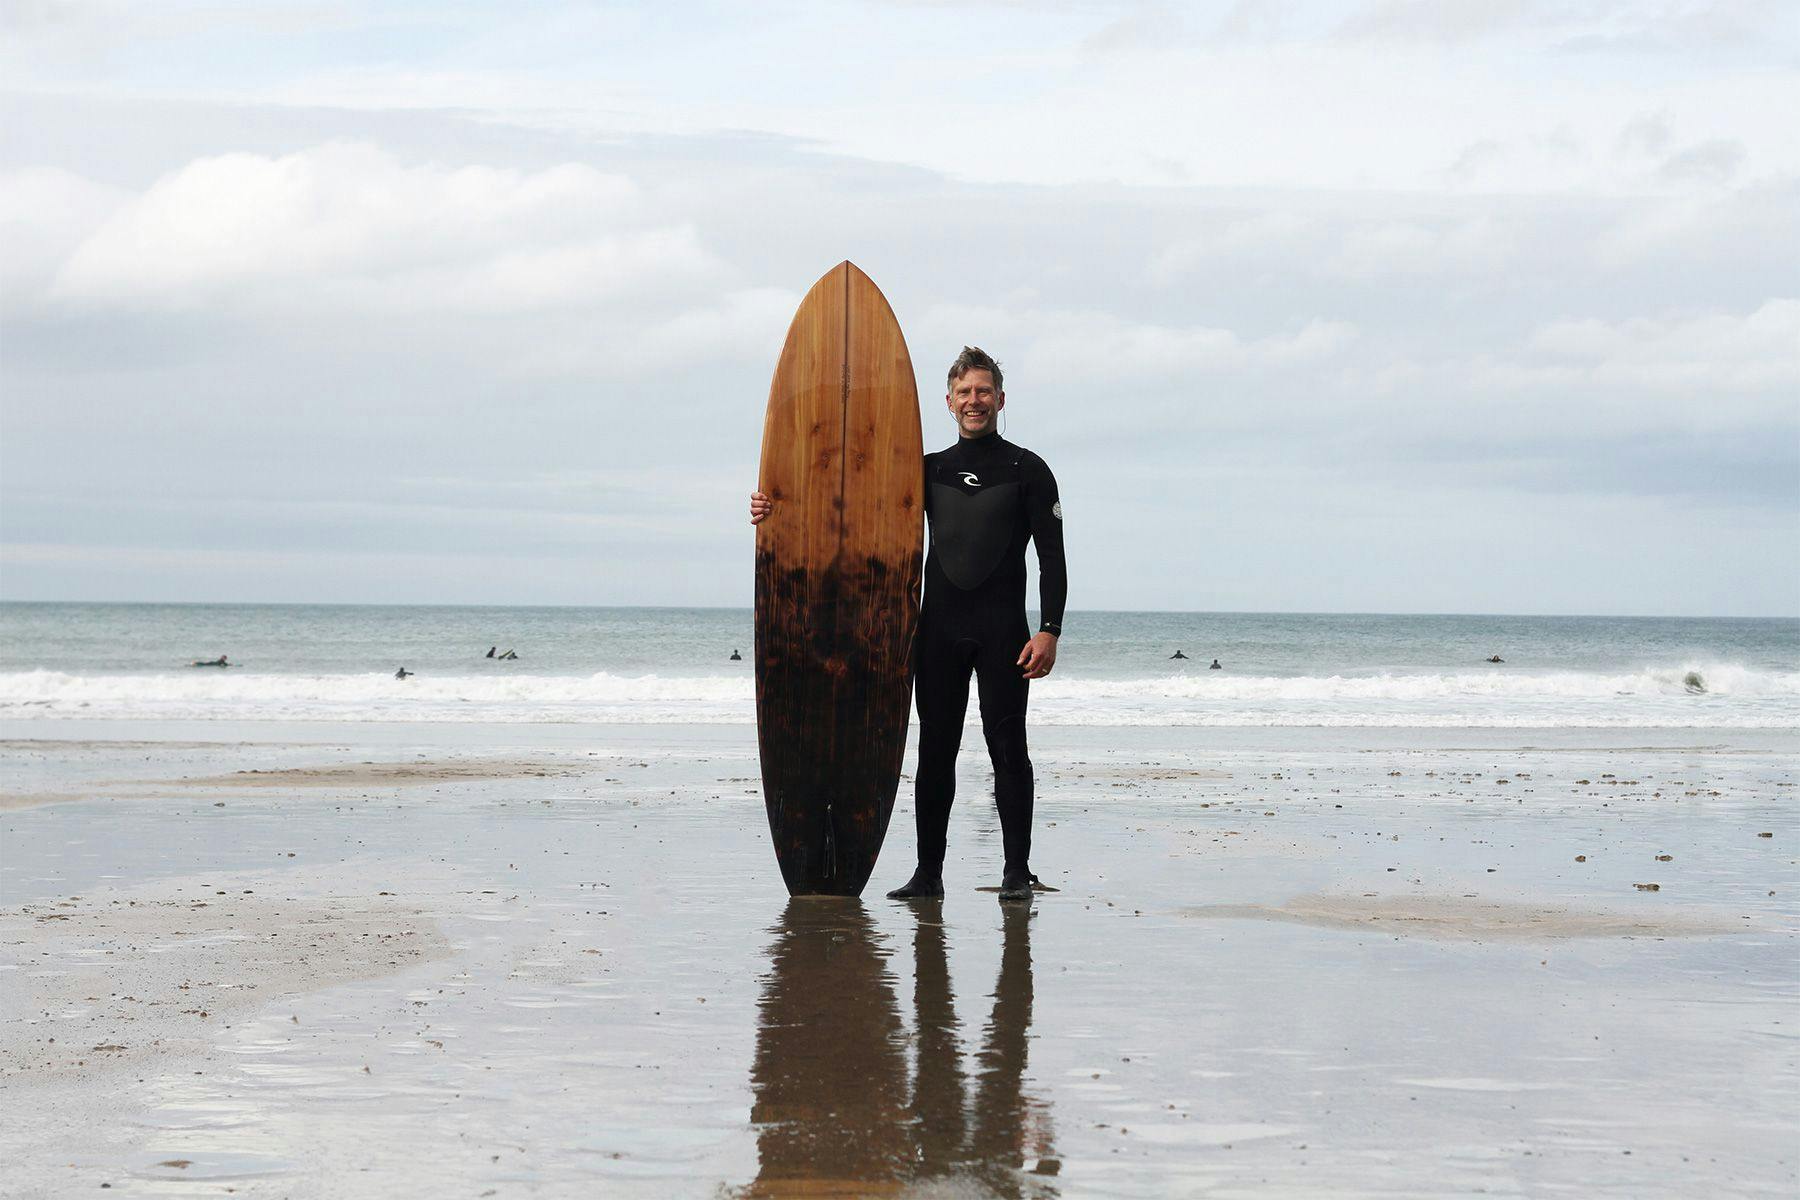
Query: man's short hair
(974,358)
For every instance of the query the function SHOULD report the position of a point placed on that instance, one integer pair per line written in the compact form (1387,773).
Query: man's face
(974,402)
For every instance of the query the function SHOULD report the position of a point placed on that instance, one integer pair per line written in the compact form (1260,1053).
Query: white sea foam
(1735,697)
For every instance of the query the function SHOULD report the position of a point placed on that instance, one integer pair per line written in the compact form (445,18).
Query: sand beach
(326,960)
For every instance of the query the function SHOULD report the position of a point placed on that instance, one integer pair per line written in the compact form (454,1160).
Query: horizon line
(1198,612)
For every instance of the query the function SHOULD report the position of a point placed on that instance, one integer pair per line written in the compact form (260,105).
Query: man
(985,499)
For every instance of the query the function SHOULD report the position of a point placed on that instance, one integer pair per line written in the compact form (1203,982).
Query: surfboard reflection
(830,1066)
(835,1109)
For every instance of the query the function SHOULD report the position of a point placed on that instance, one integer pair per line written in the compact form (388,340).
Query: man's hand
(760,507)
(1038,656)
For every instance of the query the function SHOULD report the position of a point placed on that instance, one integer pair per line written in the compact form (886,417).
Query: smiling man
(986,499)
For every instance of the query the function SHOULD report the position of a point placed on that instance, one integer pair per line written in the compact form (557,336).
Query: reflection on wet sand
(834,1110)
(1010,1129)
(830,1067)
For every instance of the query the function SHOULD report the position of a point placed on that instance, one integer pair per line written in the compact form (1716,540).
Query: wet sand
(1467,917)
(356,962)
(344,776)
(142,971)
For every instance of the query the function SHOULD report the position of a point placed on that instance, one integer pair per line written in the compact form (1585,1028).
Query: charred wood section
(833,690)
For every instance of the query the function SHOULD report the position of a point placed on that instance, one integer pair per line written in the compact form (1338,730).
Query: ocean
(673,666)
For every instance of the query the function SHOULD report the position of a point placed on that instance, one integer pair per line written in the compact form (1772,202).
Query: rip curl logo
(968,477)
(1056,510)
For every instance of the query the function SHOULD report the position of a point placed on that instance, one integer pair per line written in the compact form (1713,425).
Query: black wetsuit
(986,499)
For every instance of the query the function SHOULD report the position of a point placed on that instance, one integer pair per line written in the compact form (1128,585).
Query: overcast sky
(1402,305)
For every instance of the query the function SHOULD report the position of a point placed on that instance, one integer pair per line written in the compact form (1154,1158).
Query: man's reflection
(834,1111)
(1011,1130)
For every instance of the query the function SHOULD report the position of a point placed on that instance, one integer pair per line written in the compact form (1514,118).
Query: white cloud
(1346,245)
(1681,25)
(741,326)
(1707,231)
(70,30)
(745,323)
(1085,346)
(1704,357)
(1374,250)
(350,225)
(1238,237)
(45,212)
(1432,21)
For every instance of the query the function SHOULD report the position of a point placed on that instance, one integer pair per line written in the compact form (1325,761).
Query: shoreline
(277,730)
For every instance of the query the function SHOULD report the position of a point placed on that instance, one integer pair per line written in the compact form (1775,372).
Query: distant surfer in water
(1177,654)
(491,650)
(736,657)
(403,673)
(986,499)
(1215,666)
(1495,658)
(214,662)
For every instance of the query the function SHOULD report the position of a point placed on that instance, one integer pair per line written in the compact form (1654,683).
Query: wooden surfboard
(837,582)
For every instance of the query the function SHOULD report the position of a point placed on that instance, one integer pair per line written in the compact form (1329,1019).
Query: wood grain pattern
(837,582)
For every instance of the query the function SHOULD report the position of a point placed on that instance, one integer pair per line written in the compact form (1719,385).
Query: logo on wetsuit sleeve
(1056,510)
(968,477)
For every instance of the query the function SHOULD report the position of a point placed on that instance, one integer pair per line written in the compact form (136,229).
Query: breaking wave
(1733,696)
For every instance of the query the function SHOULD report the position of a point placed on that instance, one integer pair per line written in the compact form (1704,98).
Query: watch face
(1056,510)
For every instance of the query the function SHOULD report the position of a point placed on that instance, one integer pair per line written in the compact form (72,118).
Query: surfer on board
(985,499)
